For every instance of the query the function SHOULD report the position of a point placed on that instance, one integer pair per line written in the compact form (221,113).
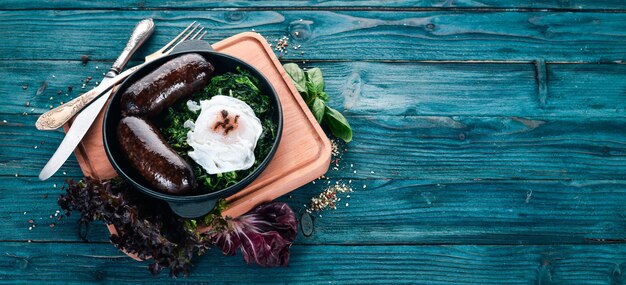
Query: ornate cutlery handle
(58,116)
(142,32)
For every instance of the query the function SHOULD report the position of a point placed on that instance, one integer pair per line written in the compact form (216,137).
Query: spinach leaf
(318,109)
(324,96)
(310,84)
(338,124)
(297,76)
(314,75)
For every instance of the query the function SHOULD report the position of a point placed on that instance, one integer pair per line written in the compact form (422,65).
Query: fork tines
(194,29)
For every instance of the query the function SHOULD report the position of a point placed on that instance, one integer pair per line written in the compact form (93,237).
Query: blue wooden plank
(424,147)
(390,212)
(44,263)
(324,35)
(470,89)
(308,4)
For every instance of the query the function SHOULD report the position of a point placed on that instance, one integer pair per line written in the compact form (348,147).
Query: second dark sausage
(155,161)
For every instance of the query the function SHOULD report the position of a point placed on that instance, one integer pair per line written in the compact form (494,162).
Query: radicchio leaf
(264,234)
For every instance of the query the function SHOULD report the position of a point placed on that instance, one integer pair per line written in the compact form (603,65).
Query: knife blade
(85,118)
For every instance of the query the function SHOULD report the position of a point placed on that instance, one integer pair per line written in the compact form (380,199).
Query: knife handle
(141,33)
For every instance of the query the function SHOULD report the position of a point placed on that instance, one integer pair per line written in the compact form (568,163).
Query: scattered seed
(84,58)
(328,198)
(27,103)
(282,44)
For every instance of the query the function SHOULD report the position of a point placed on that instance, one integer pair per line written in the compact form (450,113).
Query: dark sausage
(161,88)
(155,161)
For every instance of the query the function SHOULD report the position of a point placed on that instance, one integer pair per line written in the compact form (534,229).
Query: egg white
(216,149)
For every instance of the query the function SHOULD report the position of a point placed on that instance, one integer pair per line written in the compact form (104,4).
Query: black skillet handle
(190,210)
(192,45)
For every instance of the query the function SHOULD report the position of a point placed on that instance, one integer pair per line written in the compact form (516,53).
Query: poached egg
(224,135)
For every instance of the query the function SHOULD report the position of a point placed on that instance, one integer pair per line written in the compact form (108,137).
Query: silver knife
(85,118)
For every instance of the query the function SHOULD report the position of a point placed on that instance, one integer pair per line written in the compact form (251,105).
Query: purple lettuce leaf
(264,234)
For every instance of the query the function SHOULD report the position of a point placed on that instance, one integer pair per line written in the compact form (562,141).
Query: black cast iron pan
(186,206)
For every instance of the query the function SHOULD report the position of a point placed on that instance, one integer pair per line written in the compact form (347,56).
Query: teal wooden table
(490,136)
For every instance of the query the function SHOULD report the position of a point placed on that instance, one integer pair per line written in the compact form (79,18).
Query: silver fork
(58,116)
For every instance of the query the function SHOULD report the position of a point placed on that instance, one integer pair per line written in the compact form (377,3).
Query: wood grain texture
(324,35)
(308,4)
(415,88)
(425,147)
(23,263)
(411,212)
(476,172)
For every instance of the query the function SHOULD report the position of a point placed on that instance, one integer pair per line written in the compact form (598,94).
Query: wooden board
(303,153)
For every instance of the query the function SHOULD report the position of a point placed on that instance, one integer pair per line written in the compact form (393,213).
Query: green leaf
(311,94)
(314,75)
(318,109)
(324,96)
(338,124)
(297,76)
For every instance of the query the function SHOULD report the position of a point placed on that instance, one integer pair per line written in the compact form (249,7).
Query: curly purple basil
(264,235)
